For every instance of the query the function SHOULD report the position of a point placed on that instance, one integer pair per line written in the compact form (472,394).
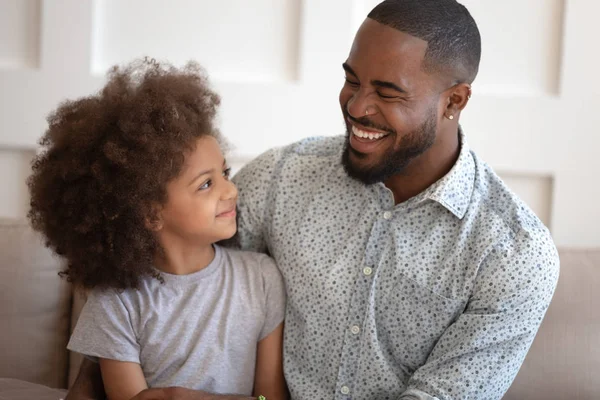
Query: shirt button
(367,271)
(355,329)
(387,215)
(345,390)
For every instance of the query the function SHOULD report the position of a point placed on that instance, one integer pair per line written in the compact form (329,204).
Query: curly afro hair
(105,164)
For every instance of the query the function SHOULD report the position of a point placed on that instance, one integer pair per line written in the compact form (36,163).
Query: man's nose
(359,104)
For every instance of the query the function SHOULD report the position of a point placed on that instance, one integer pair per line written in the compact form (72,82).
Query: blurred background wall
(534,115)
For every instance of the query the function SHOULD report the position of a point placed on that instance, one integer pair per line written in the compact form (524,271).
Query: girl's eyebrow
(208,171)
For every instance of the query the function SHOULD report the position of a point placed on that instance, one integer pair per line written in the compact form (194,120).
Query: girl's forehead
(207,151)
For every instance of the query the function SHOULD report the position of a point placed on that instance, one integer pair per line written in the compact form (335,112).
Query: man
(412,272)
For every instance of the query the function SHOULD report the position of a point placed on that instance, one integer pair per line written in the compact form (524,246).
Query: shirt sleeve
(479,355)
(104,329)
(275,298)
(254,182)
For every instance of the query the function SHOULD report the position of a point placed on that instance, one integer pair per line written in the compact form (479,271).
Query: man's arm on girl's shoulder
(269,380)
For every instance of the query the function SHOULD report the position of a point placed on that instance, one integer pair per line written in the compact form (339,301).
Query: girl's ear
(153,220)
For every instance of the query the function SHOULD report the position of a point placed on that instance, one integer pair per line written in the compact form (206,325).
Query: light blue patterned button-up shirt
(437,297)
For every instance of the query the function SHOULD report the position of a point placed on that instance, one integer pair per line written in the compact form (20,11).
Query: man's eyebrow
(388,85)
(349,70)
(378,83)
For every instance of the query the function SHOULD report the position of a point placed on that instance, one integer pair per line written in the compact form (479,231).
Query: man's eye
(227,172)
(351,83)
(386,97)
(205,185)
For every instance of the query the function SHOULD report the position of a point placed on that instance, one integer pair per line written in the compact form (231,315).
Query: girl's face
(201,201)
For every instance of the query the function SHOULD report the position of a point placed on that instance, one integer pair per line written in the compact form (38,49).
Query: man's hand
(179,393)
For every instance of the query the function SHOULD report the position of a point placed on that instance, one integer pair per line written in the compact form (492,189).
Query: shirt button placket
(349,362)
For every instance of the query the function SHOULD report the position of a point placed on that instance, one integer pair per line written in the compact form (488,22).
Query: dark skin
(385,77)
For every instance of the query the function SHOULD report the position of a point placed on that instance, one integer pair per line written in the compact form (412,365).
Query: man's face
(390,105)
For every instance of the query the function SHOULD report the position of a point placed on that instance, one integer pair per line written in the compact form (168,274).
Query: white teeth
(367,135)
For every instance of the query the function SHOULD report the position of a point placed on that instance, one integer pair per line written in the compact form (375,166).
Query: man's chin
(358,167)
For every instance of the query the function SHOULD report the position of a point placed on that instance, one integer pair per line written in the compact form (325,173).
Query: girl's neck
(184,261)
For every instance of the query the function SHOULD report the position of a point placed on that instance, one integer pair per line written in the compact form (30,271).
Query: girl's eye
(205,185)
(227,173)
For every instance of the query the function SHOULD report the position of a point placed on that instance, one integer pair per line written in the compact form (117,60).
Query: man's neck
(426,169)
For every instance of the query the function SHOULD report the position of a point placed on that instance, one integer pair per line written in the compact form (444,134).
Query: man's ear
(153,220)
(457,99)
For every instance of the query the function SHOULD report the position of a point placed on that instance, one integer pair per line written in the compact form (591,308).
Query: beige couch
(36,314)
(37,311)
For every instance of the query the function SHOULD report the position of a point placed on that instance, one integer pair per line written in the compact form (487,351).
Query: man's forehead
(386,50)
(375,36)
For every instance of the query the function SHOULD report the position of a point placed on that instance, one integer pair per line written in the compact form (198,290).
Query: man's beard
(395,159)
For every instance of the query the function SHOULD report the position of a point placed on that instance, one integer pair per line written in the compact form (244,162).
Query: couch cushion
(564,360)
(35,308)
(14,389)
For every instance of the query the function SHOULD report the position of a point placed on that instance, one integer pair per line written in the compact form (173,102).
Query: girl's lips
(228,214)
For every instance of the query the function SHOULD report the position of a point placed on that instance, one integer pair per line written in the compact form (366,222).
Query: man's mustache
(367,123)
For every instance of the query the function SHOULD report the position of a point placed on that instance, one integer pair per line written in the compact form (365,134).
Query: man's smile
(365,140)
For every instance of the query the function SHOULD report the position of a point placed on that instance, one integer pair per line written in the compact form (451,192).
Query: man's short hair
(454,43)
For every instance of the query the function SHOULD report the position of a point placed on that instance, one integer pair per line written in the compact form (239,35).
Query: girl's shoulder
(249,261)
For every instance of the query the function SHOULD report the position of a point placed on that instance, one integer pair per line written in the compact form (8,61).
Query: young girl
(133,190)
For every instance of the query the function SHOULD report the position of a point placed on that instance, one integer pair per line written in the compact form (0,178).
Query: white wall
(277,65)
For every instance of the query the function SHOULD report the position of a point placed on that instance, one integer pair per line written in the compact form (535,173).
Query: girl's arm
(269,380)
(88,384)
(122,380)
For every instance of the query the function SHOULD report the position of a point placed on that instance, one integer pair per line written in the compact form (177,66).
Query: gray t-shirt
(198,331)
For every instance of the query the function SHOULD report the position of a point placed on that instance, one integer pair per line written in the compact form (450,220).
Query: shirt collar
(455,189)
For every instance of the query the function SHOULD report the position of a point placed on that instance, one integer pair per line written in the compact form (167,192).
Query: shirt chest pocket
(410,318)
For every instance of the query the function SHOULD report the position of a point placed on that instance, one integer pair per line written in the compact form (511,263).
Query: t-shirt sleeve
(105,330)
(275,297)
